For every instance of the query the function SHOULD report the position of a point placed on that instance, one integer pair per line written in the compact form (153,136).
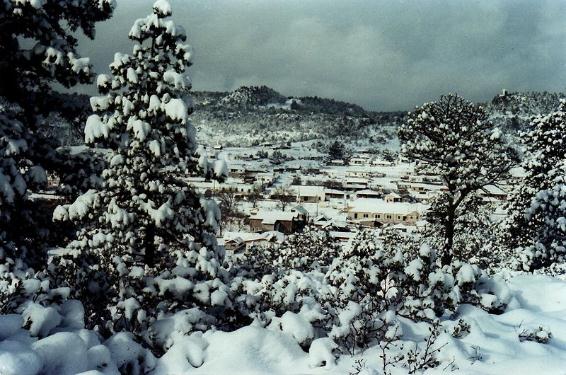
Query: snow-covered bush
(403,277)
(542,335)
(400,275)
(367,288)
(312,249)
(460,329)
(145,246)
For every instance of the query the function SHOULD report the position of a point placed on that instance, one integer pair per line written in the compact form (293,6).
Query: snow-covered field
(492,345)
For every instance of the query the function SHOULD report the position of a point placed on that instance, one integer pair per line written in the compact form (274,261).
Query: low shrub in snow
(541,335)
(360,297)
(312,249)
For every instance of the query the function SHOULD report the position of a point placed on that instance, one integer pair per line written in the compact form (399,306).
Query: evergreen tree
(548,208)
(453,138)
(475,234)
(26,76)
(534,225)
(337,151)
(146,245)
(545,149)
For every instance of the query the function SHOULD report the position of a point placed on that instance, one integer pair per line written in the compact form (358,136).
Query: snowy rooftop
(307,190)
(253,237)
(270,217)
(379,206)
(368,192)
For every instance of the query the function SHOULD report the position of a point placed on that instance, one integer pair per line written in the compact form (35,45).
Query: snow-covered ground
(492,346)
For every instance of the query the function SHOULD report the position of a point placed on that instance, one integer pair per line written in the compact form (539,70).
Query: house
(265,178)
(335,194)
(381,163)
(236,170)
(356,183)
(357,160)
(337,162)
(393,198)
(494,193)
(367,193)
(364,172)
(236,242)
(282,221)
(230,185)
(378,212)
(308,193)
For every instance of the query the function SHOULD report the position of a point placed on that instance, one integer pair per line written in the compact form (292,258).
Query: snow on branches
(534,227)
(146,241)
(453,138)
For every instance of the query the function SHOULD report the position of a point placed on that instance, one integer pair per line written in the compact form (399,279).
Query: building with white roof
(275,220)
(368,193)
(308,193)
(378,212)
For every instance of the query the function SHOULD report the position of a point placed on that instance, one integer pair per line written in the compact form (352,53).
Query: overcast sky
(383,55)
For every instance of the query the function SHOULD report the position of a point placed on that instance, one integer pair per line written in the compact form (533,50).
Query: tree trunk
(448,251)
(149,255)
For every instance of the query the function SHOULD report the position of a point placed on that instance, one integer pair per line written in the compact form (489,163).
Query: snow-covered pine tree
(475,232)
(26,75)
(453,138)
(146,246)
(545,150)
(548,208)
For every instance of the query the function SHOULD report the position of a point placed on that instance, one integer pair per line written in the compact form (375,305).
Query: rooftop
(381,206)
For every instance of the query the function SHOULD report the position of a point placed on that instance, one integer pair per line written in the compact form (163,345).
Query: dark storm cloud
(383,55)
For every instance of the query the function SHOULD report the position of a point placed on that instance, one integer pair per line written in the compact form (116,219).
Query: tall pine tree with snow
(548,208)
(530,207)
(37,49)
(146,245)
(453,138)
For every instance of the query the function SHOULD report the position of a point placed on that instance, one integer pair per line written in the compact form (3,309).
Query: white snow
(103,80)
(296,326)
(63,353)
(176,110)
(131,75)
(177,80)
(95,128)
(321,352)
(78,209)
(41,320)
(140,128)
(16,358)
(492,346)
(155,147)
(162,7)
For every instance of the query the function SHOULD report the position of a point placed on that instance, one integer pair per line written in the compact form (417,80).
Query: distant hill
(259,114)
(512,111)
(253,115)
(253,98)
